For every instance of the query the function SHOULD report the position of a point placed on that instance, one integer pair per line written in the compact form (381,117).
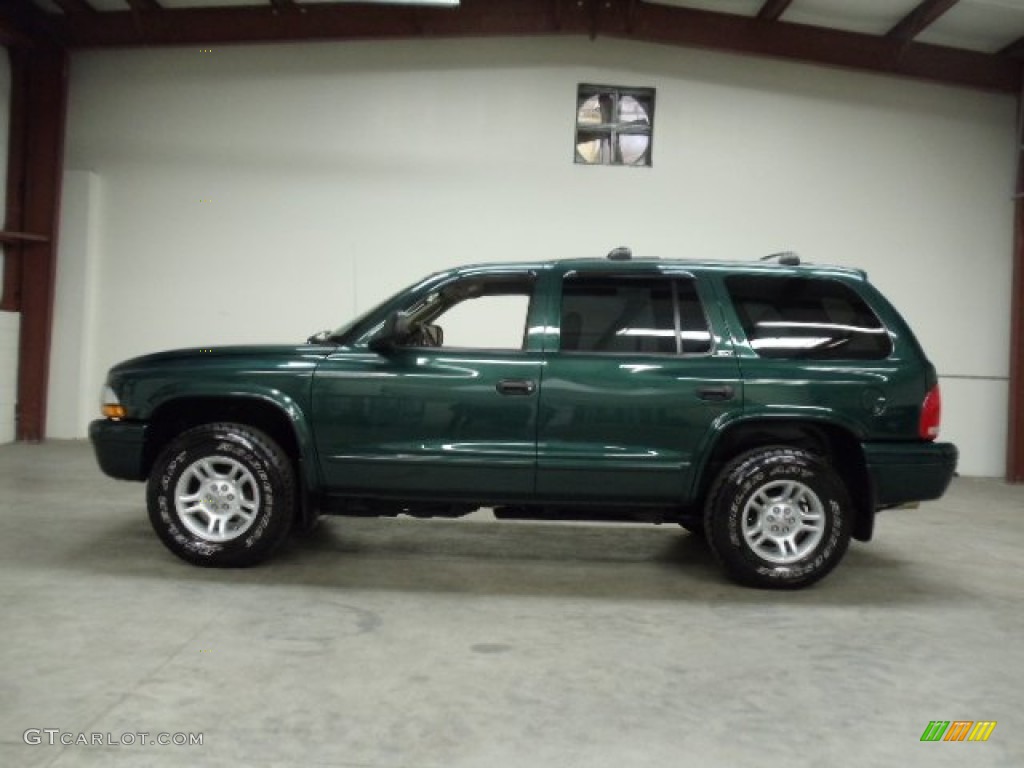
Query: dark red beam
(772,10)
(35,168)
(10,32)
(145,5)
(14,213)
(1015,438)
(7,236)
(75,7)
(334,21)
(830,47)
(1015,421)
(23,22)
(1014,49)
(923,16)
(613,18)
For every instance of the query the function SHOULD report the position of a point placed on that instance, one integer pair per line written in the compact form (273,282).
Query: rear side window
(632,315)
(802,317)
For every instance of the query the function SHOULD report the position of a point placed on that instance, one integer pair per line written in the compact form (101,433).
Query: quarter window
(639,315)
(800,317)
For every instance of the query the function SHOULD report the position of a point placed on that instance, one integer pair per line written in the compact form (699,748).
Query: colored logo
(958,730)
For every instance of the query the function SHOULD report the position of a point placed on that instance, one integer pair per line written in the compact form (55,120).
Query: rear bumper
(907,472)
(119,447)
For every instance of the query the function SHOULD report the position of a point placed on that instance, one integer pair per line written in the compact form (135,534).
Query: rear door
(631,392)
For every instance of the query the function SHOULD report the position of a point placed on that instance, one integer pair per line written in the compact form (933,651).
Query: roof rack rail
(785,258)
(622,253)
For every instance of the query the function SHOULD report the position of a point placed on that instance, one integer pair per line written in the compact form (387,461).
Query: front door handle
(516,387)
(716,394)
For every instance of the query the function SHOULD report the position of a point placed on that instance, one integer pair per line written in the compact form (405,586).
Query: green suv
(770,406)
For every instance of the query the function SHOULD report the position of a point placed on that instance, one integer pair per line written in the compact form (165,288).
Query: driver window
(486,322)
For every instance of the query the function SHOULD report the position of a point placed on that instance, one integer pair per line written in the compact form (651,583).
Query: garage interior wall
(9,321)
(259,194)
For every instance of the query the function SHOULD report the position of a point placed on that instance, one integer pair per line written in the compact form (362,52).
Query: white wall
(9,321)
(261,193)
(73,344)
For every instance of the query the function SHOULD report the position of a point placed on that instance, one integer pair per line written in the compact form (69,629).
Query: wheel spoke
(191,506)
(204,470)
(790,492)
(787,546)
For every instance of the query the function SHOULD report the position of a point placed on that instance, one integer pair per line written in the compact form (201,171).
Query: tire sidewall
(742,482)
(244,446)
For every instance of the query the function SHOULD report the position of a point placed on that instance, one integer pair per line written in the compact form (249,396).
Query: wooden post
(1015,421)
(38,111)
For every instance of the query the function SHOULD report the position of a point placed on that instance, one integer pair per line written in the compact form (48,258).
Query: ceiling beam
(144,5)
(830,47)
(772,10)
(1014,49)
(924,15)
(328,21)
(74,7)
(11,32)
(22,22)
(651,22)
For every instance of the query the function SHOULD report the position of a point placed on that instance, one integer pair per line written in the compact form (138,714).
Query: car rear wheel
(778,517)
(222,495)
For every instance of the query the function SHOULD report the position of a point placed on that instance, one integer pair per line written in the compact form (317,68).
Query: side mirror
(432,335)
(394,333)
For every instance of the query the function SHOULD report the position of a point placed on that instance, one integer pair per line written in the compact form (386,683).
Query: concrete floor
(422,644)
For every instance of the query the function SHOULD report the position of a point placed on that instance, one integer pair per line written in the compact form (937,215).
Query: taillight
(931,414)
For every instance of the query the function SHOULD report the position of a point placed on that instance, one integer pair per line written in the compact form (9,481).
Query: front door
(452,414)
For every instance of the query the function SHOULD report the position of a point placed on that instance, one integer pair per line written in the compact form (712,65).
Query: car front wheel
(222,495)
(778,517)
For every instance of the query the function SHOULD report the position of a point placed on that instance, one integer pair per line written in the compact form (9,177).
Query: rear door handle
(717,393)
(516,387)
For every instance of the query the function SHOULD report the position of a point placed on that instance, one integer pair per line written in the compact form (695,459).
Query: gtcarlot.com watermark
(55,737)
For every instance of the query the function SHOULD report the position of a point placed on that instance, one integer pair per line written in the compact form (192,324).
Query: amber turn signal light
(114,410)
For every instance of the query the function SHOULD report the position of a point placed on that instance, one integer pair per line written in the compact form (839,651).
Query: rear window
(805,317)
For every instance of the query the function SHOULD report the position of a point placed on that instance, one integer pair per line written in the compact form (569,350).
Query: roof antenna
(785,258)
(622,253)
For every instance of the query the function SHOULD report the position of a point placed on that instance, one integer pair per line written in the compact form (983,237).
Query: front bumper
(120,447)
(907,472)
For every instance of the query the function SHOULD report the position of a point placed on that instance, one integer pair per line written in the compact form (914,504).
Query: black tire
(222,495)
(778,518)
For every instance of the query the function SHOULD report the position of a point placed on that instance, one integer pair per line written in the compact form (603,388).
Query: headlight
(110,405)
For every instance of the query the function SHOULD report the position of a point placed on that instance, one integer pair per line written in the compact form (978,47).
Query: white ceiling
(980,25)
